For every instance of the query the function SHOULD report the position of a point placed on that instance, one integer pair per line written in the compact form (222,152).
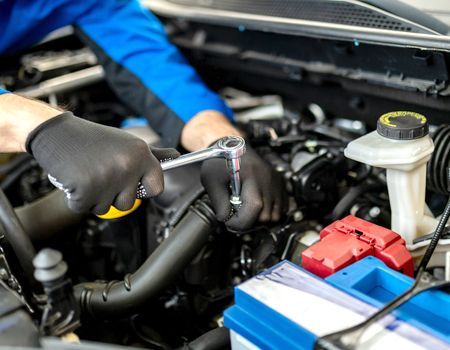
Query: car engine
(162,276)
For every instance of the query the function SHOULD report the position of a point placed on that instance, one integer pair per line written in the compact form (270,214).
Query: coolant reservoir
(402,146)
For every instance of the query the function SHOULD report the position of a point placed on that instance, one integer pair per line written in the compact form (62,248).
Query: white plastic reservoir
(402,146)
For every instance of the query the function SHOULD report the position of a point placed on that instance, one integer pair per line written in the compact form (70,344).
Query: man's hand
(262,191)
(97,166)
(263,196)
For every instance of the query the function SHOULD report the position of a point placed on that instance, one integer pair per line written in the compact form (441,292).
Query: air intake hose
(121,298)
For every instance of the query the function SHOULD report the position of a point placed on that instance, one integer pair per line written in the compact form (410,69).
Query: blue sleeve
(144,68)
(2,91)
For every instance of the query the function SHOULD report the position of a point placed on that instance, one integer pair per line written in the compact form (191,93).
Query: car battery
(287,307)
(351,239)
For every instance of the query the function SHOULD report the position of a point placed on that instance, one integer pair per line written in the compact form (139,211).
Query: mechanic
(98,166)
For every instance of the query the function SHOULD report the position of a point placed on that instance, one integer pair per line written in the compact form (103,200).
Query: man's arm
(97,166)
(151,76)
(18,117)
(149,73)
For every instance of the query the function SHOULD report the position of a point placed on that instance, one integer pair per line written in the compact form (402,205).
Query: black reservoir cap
(402,125)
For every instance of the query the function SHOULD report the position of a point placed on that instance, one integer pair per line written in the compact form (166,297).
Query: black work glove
(262,192)
(97,166)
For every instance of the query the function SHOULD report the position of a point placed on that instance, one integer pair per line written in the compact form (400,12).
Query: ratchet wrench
(231,148)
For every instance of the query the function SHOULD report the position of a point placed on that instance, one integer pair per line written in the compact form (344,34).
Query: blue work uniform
(143,68)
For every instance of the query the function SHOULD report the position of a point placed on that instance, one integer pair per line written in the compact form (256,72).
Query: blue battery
(286,307)
(372,281)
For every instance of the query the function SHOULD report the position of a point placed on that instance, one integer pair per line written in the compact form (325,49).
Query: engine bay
(162,277)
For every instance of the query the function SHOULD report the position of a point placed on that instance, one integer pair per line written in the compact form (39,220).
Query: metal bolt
(374,212)
(298,216)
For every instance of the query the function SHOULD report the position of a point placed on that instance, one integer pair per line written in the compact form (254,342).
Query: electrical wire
(349,338)
(440,229)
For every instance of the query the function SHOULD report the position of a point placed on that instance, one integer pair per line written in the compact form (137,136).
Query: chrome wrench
(231,148)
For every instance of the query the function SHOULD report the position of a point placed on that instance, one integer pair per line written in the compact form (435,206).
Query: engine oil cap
(402,125)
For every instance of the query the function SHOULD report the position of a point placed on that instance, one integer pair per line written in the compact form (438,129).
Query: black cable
(440,229)
(348,339)
(428,237)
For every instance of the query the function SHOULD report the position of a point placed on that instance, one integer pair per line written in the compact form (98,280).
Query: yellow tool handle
(114,213)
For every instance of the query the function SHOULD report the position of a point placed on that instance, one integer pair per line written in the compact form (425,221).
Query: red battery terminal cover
(351,239)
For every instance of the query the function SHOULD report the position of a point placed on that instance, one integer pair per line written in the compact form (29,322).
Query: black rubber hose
(347,201)
(216,339)
(47,216)
(17,238)
(15,174)
(15,162)
(190,197)
(122,298)
(440,160)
